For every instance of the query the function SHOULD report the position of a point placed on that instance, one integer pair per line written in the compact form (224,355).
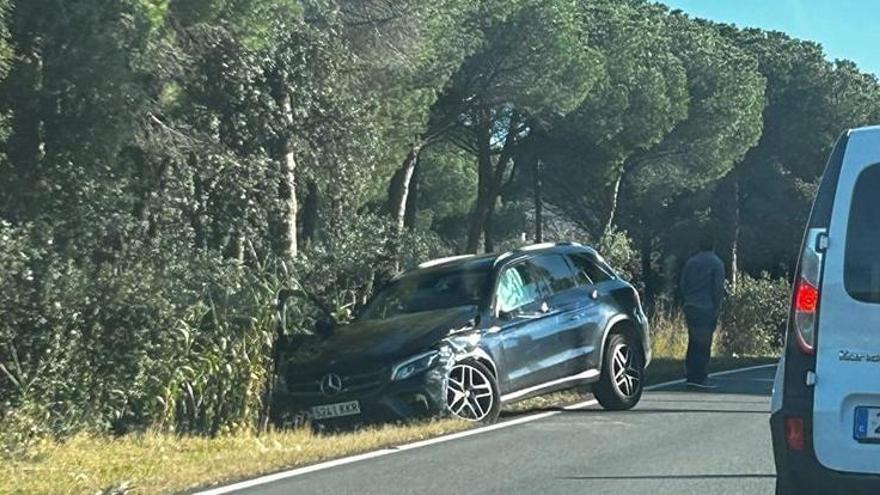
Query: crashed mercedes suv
(462,336)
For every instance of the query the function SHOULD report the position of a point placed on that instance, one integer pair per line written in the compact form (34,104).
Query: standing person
(702,288)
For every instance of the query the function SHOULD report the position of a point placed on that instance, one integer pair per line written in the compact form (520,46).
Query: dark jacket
(702,282)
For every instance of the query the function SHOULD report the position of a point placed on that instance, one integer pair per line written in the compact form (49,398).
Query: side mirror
(640,286)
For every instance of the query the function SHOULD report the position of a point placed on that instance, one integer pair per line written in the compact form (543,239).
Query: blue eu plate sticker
(866,426)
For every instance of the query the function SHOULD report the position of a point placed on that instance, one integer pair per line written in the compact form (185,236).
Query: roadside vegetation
(165,463)
(187,188)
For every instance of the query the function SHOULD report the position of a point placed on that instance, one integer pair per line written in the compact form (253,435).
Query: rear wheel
(621,384)
(472,393)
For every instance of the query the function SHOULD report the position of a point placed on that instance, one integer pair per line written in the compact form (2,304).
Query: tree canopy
(187,187)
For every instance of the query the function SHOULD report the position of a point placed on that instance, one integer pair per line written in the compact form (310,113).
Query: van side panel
(847,327)
(795,397)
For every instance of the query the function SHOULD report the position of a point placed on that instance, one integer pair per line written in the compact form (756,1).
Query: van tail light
(807,292)
(806,302)
(794,434)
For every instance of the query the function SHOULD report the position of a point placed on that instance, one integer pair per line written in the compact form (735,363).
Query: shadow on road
(744,394)
(755,388)
(640,410)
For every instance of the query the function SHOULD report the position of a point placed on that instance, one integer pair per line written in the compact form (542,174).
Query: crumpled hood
(383,342)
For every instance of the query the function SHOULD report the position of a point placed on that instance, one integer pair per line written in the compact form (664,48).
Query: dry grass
(162,463)
(669,335)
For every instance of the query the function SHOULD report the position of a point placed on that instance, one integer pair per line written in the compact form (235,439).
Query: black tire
(485,409)
(622,392)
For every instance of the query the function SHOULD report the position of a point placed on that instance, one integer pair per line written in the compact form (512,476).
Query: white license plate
(336,410)
(867,424)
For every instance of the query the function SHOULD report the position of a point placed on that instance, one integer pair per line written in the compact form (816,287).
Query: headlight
(414,366)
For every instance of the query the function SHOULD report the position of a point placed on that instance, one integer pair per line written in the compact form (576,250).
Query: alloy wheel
(469,393)
(627,376)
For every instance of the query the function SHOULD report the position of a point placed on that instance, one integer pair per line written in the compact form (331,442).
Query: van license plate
(867,427)
(336,410)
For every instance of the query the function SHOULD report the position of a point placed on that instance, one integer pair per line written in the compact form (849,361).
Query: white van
(825,418)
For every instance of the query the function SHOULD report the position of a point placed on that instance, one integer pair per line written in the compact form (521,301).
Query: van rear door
(846,410)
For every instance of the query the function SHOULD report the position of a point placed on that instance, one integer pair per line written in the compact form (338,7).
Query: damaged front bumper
(421,395)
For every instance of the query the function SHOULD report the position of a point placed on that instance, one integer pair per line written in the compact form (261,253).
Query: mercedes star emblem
(331,384)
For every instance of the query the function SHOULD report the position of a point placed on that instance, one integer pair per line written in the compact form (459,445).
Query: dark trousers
(701,324)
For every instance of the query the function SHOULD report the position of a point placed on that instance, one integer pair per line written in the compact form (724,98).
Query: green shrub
(754,316)
(620,252)
(154,339)
(166,337)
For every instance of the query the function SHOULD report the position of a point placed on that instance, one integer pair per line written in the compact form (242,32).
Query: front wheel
(472,393)
(621,384)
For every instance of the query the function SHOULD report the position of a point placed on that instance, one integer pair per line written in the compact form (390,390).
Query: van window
(862,262)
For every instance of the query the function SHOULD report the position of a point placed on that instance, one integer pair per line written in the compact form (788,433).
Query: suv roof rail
(545,245)
(536,247)
(440,261)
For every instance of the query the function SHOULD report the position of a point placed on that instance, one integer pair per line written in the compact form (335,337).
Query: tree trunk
(198,213)
(735,229)
(399,190)
(615,200)
(478,216)
(484,190)
(26,144)
(495,186)
(539,203)
(489,230)
(288,186)
(648,275)
(490,181)
(310,208)
(412,199)
(290,206)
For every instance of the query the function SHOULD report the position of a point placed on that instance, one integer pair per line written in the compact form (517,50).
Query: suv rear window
(588,271)
(862,262)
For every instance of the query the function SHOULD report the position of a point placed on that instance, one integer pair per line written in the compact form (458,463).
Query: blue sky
(846,28)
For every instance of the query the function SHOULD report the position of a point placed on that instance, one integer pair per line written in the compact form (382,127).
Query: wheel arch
(482,357)
(622,324)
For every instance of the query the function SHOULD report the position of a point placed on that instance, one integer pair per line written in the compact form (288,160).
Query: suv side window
(861,271)
(588,272)
(518,286)
(556,271)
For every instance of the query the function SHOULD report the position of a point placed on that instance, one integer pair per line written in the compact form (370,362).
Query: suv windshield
(429,291)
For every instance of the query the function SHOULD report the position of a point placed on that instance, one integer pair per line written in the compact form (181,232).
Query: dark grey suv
(464,335)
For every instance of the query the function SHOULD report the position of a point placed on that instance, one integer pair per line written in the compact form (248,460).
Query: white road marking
(283,475)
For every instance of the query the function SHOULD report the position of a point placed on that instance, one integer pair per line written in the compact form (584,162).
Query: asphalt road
(675,442)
